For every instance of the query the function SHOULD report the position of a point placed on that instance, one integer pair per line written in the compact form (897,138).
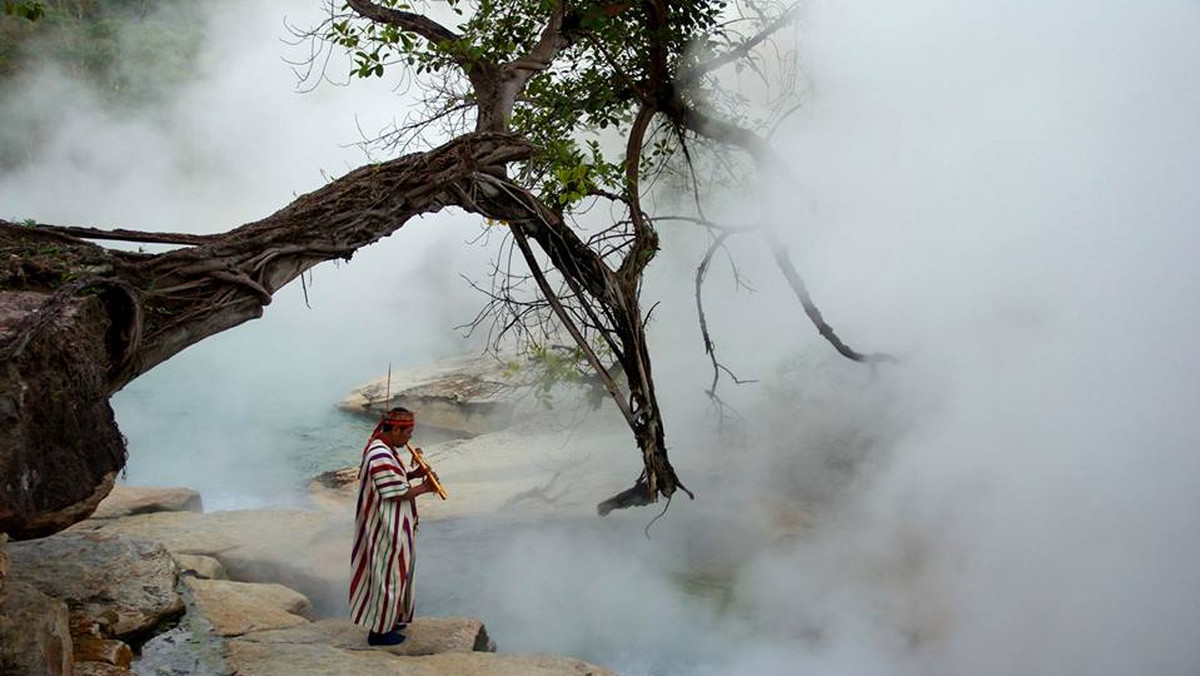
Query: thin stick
(387,396)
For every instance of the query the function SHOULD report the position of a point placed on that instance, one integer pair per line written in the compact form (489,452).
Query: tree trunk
(78,322)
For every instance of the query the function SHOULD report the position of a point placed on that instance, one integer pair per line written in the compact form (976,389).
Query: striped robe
(385,532)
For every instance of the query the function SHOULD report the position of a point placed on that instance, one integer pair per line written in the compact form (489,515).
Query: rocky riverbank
(152,585)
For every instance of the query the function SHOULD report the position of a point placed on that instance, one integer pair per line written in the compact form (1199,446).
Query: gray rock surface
(125,584)
(35,638)
(251,658)
(128,500)
(302,550)
(190,649)
(426,636)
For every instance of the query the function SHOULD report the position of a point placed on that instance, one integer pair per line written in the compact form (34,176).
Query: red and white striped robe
(382,562)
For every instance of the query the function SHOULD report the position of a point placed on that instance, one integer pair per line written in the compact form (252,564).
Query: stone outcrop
(129,500)
(464,396)
(35,637)
(123,585)
(302,550)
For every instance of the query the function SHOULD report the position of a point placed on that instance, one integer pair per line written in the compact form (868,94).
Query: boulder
(247,657)
(60,448)
(35,638)
(128,500)
(426,636)
(305,550)
(464,395)
(236,608)
(124,584)
(48,522)
(201,566)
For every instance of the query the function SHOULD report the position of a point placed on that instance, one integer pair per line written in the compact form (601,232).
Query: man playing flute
(382,562)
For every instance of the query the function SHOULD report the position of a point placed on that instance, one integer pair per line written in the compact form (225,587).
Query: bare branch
(409,21)
(810,308)
(122,235)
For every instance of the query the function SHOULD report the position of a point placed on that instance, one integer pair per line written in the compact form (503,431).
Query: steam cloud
(1002,194)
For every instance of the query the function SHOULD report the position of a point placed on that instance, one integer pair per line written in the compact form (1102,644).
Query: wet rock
(236,608)
(34,633)
(192,648)
(123,584)
(465,395)
(201,566)
(426,636)
(129,500)
(250,658)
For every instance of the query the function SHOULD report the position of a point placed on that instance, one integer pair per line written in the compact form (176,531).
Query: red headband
(400,418)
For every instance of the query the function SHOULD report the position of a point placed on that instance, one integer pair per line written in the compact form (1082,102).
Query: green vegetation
(127,49)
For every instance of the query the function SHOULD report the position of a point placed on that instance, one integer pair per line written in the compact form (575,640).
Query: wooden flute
(429,474)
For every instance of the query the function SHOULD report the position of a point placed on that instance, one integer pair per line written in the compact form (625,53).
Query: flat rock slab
(130,500)
(426,636)
(305,550)
(250,658)
(34,633)
(236,608)
(125,584)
